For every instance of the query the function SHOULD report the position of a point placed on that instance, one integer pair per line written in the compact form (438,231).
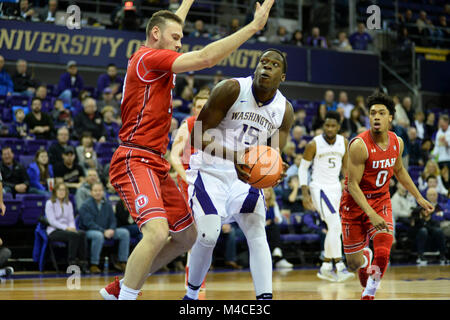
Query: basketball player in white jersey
(329,155)
(240,113)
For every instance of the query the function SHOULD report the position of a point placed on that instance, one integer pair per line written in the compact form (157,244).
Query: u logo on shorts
(140,202)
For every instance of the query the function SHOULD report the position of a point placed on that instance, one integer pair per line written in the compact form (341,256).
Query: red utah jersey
(379,166)
(147,98)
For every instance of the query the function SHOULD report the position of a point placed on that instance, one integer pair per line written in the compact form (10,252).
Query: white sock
(128,293)
(340,266)
(327,265)
(371,287)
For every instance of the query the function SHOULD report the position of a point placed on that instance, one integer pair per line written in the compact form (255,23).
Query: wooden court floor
(400,283)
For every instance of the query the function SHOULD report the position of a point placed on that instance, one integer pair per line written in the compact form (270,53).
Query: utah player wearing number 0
(374,157)
(239,113)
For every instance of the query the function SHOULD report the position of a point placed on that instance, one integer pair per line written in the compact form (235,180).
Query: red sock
(382,243)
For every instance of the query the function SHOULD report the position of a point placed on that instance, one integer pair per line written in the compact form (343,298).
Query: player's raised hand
(262,13)
(425,204)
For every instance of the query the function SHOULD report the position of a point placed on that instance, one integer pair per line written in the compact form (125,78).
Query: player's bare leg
(155,233)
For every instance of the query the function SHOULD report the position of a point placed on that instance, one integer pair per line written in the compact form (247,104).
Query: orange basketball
(265,165)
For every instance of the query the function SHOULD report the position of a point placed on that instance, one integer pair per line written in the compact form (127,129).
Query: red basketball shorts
(141,179)
(183,185)
(356,226)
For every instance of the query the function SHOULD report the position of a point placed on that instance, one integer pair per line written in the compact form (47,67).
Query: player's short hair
(280,53)
(159,19)
(381,98)
(333,115)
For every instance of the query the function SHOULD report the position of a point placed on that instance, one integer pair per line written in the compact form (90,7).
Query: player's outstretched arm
(216,51)
(356,165)
(184,9)
(405,179)
(305,163)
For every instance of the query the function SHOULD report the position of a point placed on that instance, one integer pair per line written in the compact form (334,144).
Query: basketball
(265,165)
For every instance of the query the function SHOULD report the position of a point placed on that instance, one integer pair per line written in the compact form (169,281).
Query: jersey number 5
(381,178)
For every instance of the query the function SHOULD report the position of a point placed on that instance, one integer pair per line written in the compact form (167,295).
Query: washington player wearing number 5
(366,213)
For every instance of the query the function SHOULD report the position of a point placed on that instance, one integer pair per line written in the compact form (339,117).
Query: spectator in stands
(90,120)
(426,226)
(407,21)
(293,169)
(48,13)
(5,254)
(403,204)
(60,216)
(83,193)
(431,169)
(41,174)
(288,153)
(182,105)
(328,100)
(419,124)
(316,40)
(319,118)
(189,81)
(426,148)
(124,220)
(430,127)
(281,37)
(442,142)
(273,230)
(41,92)
(70,83)
(98,220)
(424,28)
(297,38)
(111,124)
(354,123)
(345,104)
(445,176)
(25,11)
(111,80)
(22,79)
(86,154)
(129,18)
(297,135)
(292,197)
(56,149)
(300,120)
(19,128)
(342,43)
(199,30)
(234,26)
(60,115)
(401,116)
(6,83)
(39,123)
(109,100)
(442,33)
(436,182)
(69,171)
(403,39)
(360,40)
(15,177)
(414,148)
(218,76)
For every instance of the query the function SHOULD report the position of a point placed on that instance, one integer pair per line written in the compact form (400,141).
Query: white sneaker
(344,275)
(329,275)
(283,264)
(277,252)
(421,262)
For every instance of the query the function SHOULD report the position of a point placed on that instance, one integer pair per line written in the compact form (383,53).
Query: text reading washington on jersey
(251,116)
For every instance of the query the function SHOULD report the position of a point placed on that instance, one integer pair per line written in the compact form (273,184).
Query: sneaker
(187,298)
(367,297)
(344,275)
(112,290)
(362,272)
(443,262)
(421,262)
(8,272)
(325,274)
(283,264)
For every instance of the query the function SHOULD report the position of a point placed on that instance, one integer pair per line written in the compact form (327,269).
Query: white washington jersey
(245,123)
(327,161)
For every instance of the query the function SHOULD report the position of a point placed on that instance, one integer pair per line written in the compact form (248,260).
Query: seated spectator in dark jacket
(98,220)
(61,115)
(316,40)
(414,148)
(48,14)
(124,220)
(15,177)
(39,123)
(19,129)
(111,80)
(23,10)
(110,123)
(360,40)
(40,173)
(56,149)
(60,216)
(90,120)
(6,83)
(108,99)
(70,83)
(292,197)
(84,191)
(23,82)
(69,171)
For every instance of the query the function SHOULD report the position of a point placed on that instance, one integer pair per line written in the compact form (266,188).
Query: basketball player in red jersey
(138,169)
(374,157)
(181,148)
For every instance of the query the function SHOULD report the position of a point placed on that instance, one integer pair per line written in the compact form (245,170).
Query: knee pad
(208,227)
